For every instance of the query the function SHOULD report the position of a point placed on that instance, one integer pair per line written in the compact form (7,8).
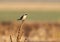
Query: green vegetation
(32,15)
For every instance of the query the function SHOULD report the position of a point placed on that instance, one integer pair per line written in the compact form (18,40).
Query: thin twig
(11,38)
(25,39)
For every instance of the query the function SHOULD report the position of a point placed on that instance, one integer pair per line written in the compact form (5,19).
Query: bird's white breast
(24,17)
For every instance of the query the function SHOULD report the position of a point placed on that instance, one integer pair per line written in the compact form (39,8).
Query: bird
(23,17)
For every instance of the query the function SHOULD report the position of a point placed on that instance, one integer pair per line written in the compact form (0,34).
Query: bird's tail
(18,19)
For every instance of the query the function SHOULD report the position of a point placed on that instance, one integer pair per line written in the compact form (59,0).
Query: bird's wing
(21,17)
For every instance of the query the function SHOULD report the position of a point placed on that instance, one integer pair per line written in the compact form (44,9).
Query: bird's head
(26,14)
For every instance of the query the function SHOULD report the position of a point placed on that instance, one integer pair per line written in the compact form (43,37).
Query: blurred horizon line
(30,6)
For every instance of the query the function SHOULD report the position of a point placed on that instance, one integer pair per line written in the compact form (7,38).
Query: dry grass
(20,32)
(32,31)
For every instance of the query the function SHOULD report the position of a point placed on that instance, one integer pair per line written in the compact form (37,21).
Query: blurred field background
(42,12)
(37,11)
